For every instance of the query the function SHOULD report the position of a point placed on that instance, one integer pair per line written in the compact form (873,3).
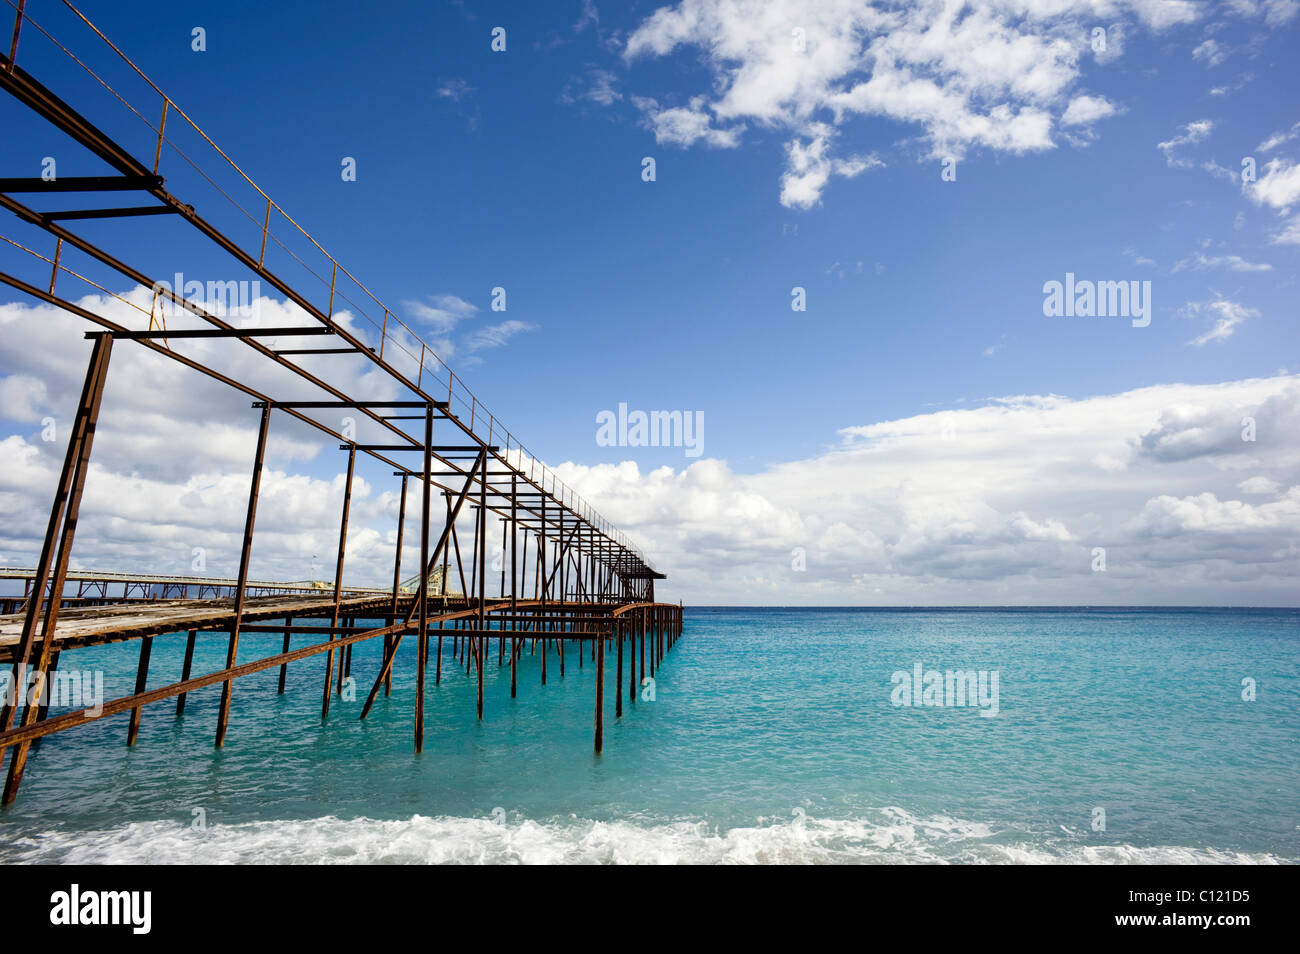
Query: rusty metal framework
(93,587)
(585,582)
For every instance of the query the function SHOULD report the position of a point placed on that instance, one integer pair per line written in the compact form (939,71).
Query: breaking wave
(890,836)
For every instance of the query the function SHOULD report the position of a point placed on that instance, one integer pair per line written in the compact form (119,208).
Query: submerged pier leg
(514,581)
(284,667)
(600,695)
(397,585)
(345,662)
(629,625)
(618,681)
(185,671)
(437,673)
(44,709)
(141,679)
(241,584)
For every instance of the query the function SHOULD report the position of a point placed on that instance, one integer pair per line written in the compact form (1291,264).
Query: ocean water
(773,736)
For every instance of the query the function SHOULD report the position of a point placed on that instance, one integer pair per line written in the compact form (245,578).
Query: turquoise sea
(1121,735)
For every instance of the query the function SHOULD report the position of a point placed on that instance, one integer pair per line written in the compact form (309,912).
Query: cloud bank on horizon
(1191,491)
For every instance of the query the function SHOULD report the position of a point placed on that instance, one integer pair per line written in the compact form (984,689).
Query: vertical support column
(63,524)
(470,622)
(501,639)
(471,593)
(481,641)
(446,550)
(562,570)
(232,650)
(338,580)
(185,672)
(44,709)
(600,581)
(541,582)
(618,682)
(647,623)
(141,679)
(514,580)
(629,625)
(501,592)
(397,582)
(422,653)
(600,690)
(284,648)
(345,667)
(537,591)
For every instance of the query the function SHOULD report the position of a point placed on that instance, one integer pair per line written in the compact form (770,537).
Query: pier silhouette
(567,576)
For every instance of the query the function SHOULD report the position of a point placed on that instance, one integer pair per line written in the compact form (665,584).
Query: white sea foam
(892,836)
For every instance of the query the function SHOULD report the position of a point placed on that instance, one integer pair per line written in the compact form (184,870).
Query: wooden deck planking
(100,625)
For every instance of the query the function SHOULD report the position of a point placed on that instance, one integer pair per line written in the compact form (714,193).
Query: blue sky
(522,169)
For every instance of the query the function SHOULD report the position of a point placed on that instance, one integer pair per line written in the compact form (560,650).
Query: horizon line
(988,606)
